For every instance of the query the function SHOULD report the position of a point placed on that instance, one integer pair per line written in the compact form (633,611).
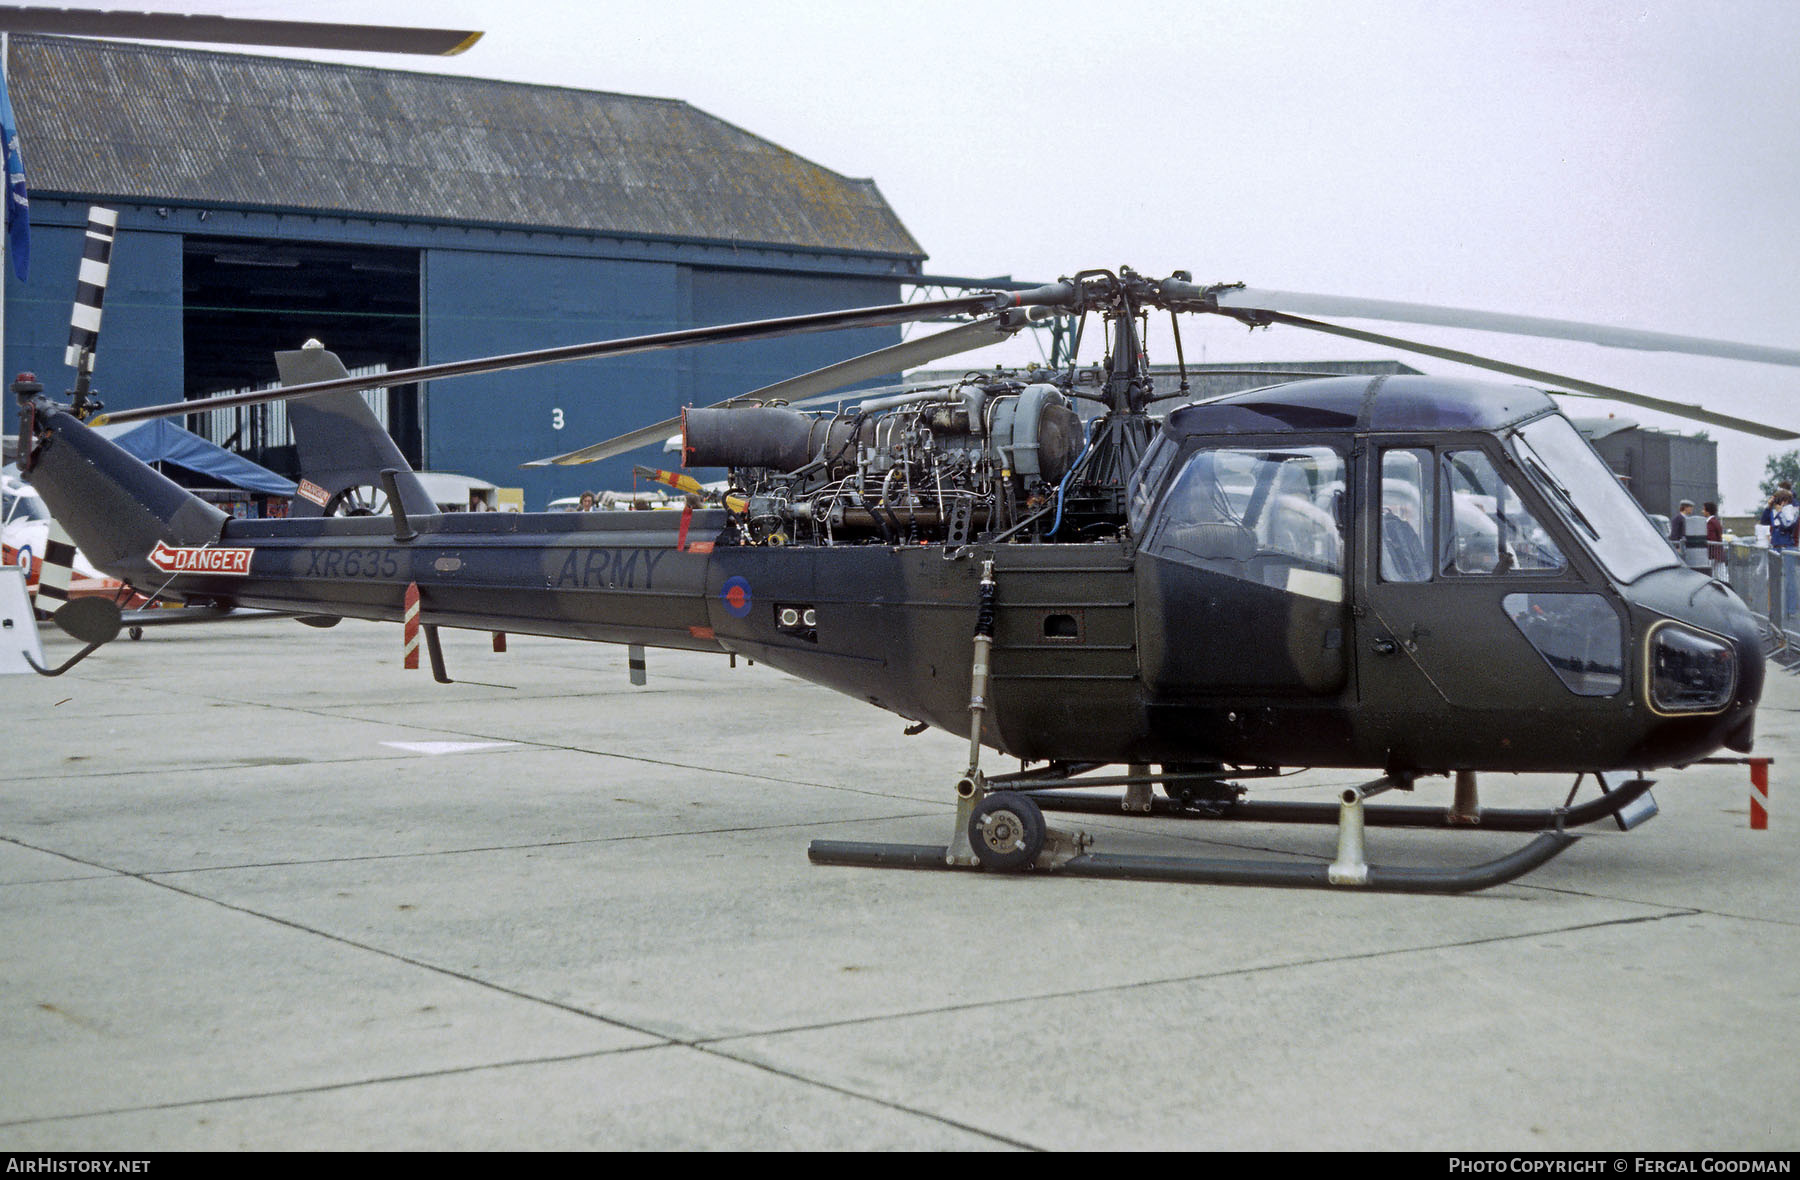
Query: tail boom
(626,577)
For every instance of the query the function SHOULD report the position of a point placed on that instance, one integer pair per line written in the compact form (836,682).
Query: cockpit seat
(1212,540)
(1403,556)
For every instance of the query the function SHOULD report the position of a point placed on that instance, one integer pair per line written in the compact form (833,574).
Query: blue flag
(18,208)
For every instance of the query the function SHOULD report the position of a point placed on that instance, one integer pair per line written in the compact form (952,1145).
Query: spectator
(1688,533)
(1715,542)
(1783,519)
(1783,516)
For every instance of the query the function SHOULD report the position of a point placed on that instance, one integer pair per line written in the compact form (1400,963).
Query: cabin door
(1240,581)
(1465,600)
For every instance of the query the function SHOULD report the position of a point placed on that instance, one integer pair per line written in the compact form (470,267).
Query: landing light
(1690,671)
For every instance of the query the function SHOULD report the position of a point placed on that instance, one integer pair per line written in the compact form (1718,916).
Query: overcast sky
(1636,164)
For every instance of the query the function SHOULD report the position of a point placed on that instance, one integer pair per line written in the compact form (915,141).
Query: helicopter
(1408,575)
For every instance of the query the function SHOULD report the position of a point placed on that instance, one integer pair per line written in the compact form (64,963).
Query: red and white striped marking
(412,625)
(1759,794)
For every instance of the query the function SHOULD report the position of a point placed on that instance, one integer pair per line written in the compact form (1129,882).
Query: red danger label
(172,559)
(312,491)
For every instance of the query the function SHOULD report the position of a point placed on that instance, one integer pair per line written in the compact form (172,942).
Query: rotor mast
(1117,440)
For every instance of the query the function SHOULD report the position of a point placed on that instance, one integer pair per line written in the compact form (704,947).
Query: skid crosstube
(1489,819)
(1208,871)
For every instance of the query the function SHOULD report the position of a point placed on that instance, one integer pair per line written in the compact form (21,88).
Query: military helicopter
(1415,576)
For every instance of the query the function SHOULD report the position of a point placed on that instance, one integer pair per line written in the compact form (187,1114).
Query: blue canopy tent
(161,441)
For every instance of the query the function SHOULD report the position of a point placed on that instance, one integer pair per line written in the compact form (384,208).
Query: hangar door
(245,299)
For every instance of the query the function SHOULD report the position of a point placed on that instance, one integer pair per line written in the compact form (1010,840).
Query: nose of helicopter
(1746,635)
(1705,664)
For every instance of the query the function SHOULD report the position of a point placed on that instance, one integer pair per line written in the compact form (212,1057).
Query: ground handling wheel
(1006,830)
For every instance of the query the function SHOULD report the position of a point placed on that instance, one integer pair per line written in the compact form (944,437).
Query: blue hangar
(407,219)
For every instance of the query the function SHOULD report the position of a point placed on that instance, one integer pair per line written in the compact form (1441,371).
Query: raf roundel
(735,594)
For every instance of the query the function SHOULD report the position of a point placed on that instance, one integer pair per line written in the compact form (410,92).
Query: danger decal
(180,559)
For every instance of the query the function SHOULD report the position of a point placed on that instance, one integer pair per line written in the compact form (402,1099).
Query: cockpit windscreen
(1590,498)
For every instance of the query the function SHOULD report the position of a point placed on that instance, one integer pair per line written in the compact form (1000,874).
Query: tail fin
(339,441)
(112,506)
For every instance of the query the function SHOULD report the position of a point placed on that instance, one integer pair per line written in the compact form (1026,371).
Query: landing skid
(1000,821)
(1005,831)
(1629,801)
(1209,871)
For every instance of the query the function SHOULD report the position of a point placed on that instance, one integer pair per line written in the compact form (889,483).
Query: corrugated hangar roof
(165,124)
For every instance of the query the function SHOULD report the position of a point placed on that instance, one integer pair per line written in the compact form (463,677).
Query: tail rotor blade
(90,287)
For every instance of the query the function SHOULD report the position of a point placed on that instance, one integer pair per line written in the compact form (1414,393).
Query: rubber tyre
(1006,830)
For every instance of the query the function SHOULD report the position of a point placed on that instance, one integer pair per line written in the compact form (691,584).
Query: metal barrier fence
(1768,580)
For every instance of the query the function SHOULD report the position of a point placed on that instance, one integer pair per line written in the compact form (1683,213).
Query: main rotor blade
(1301,303)
(898,358)
(289,34)
(860,368)
(1679,409)
(643,436)
(619,444)
(824,321)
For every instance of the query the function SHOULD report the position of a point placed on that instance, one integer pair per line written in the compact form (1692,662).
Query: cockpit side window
(1406,515)
(1271,516)
(1488,529)
(1454,515)
(1146,480)
(23,508)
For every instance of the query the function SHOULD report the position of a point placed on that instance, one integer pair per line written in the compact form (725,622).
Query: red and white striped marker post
(1759,794)
(412,625)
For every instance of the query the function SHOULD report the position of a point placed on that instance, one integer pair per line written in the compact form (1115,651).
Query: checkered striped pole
(90,289)
(412,625)
(1759,794)
(57,570)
